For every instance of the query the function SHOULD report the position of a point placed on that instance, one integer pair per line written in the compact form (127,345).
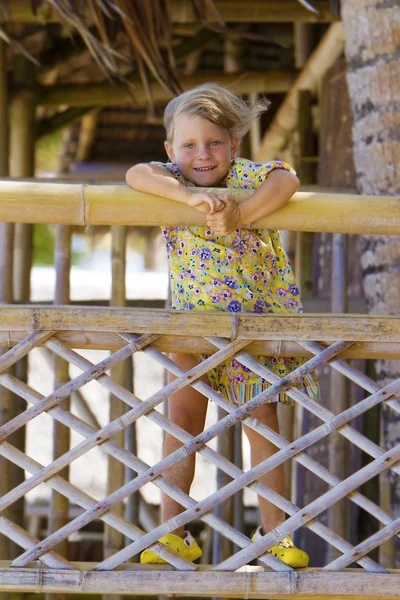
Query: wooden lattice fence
(143,331)
(324,340)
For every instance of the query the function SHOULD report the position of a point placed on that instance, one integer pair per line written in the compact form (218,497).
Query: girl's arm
(273,193)
(152,179)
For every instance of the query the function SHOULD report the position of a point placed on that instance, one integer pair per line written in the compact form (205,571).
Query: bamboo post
(113,539)
(6,263)
(22,159)
(339,389)
(255,132)
(59,505)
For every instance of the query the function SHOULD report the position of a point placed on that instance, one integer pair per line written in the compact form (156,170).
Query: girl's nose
(204,151)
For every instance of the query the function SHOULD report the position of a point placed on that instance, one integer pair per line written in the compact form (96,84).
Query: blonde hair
(216,104)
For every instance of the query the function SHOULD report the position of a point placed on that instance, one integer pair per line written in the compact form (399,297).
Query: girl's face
(202,150)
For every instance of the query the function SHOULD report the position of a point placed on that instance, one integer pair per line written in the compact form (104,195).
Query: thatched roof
(127,47)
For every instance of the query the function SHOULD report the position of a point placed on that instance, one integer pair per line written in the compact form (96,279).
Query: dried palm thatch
(147,27)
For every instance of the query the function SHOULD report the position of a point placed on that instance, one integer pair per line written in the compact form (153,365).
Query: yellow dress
(245,271)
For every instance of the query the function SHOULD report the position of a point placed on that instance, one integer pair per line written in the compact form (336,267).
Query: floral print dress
(245,271)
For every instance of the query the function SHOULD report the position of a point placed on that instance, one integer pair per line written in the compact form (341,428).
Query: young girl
(226,266)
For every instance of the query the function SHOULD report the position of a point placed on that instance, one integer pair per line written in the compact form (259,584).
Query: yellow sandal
(286,551)
(187,548)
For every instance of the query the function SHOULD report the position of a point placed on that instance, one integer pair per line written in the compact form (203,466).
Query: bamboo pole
(6,286)
(136,580)
(22,159)
(246,326)
(339,388)
(92,340)
(113,539)
(59,504)
(285,120)
(20,11)
(75,204)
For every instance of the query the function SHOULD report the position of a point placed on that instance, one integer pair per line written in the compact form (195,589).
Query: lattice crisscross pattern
(137,408)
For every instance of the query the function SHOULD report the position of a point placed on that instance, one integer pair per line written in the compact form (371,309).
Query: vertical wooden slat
(113,539)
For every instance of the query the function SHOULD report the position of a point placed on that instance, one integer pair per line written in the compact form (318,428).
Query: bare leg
(261,448)
(187,408)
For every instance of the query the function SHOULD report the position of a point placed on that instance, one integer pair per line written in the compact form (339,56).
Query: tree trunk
(373,56)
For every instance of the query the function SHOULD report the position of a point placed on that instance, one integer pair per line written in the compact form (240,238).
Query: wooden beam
(138,580)
(178,322)
(181,11)
(105,94)
(61,119)
(324,56)
(76,204)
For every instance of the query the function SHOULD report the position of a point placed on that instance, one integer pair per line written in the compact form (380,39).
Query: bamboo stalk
(23,348)
(338,449)
(6,283)
(247,326)
(20,11)
(25,540)
(305,584)
(59,504)
(96,340)
(76,204)
(22,164)
(366,546)
(113,539)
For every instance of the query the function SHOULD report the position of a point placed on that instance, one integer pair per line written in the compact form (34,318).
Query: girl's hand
(206,203)
(228,219)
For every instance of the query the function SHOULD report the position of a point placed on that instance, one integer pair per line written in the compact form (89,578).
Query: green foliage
(43,244)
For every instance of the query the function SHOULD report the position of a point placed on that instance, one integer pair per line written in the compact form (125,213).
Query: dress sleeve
(260,172)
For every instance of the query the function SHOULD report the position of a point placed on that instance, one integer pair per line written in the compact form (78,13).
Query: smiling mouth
(204,169)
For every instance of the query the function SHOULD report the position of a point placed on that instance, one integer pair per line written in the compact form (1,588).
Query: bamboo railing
(323,339)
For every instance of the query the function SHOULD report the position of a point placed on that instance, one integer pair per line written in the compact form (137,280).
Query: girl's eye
(216,143)
(189,146)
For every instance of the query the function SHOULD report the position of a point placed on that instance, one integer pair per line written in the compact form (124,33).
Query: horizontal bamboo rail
(234,11)
(79,204)
(100,340)
(240,326)
(252,582)
(239,333)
